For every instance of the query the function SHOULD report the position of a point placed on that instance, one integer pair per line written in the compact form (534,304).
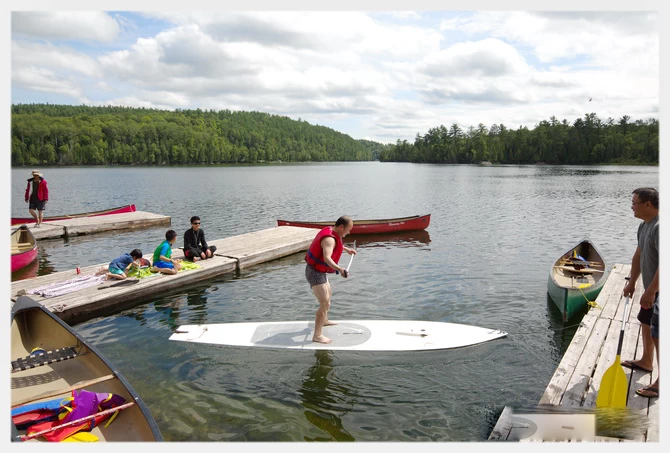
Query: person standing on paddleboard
(322,259)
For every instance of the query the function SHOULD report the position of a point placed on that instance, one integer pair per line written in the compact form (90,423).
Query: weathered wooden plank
(503,427)
(580,382)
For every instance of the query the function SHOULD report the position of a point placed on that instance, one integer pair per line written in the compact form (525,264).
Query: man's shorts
(39,205)
(654,321)
(115,270)
(164,264)
(315,277)
(644,316)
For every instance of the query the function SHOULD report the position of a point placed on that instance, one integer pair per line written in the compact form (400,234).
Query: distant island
(53,135)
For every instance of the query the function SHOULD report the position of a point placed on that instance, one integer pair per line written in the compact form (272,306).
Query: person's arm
(46,190)
(27,196)
(647,299)
(202,240)
(328,245)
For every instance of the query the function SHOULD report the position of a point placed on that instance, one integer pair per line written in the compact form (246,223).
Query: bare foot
(329,323)
(322,339)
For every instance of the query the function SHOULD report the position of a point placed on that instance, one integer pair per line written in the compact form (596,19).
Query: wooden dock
(232,255)
(90,225)
(574,386)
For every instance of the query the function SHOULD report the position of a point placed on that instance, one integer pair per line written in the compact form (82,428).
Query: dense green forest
(47,134)
(588,140)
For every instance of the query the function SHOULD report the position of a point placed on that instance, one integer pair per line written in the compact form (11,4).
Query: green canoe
(576,278)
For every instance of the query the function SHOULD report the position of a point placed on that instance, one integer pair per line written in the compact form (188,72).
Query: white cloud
(65,25)
(392,74)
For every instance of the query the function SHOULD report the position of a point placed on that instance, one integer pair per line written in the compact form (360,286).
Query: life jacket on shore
(314,256)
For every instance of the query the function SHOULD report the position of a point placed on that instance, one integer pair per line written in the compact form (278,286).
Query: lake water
(484,260)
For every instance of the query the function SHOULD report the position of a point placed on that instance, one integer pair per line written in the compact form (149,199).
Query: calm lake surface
(484,260)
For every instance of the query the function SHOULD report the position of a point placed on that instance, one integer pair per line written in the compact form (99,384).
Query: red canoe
(23,247)
(416,222)
(119,210)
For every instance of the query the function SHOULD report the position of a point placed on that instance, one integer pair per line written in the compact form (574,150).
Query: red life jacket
(314,256)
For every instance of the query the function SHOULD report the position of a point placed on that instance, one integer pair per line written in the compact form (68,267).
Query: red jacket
(314,255)
(42,190)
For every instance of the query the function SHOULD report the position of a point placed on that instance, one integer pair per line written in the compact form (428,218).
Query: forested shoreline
(586,141)
(48,134)
(64,135)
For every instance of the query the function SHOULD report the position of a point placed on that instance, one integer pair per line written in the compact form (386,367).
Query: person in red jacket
(322,259)
(39,196)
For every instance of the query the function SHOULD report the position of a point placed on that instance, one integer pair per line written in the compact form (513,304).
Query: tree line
(47,134)
(587,140)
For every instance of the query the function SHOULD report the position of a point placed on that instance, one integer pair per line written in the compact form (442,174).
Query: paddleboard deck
(357,335)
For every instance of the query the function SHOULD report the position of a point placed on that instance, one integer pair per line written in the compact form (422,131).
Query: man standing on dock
(39,196)
(195,245)
(645,261)
(322,258)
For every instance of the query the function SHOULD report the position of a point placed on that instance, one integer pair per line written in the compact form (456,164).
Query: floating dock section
(232,255)
(572,391)
(91,225)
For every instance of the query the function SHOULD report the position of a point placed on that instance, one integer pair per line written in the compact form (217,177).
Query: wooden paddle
(613,390)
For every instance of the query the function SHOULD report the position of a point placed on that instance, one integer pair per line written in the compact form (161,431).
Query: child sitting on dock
(163,261)
(118,268)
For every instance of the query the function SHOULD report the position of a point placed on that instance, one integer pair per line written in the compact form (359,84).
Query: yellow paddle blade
(613,390)
(585,285)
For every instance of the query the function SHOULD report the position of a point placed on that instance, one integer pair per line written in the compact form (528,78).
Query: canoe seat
(43,358)
(586,270)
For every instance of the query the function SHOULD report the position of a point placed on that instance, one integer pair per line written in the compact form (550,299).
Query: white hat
(36,172)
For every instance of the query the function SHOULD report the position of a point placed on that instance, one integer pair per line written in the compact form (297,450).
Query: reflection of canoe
(416,238)
(412,223)
(23,248)
(67,363)
(576,278)
(119,210)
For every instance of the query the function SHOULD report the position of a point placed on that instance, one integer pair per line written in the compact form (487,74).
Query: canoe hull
(571,288)
(378,226)
(34,326)
(23,248)
(119,210)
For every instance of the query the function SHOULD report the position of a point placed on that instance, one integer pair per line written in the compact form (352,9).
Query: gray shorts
(39,205)
(315,277)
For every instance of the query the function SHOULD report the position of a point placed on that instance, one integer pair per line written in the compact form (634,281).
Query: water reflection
(324,400)
(417,238)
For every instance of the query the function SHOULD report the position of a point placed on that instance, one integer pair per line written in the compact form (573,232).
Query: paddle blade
(614,387)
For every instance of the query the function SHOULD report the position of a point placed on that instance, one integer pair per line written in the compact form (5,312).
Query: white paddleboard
(360,335)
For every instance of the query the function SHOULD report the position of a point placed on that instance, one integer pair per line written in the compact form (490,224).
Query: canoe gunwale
(370,226)
(111,211)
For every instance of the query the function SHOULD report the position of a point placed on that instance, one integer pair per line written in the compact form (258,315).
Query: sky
(383,74)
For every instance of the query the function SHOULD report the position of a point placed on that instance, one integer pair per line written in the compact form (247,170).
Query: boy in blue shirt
(119,267)
(163,261)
